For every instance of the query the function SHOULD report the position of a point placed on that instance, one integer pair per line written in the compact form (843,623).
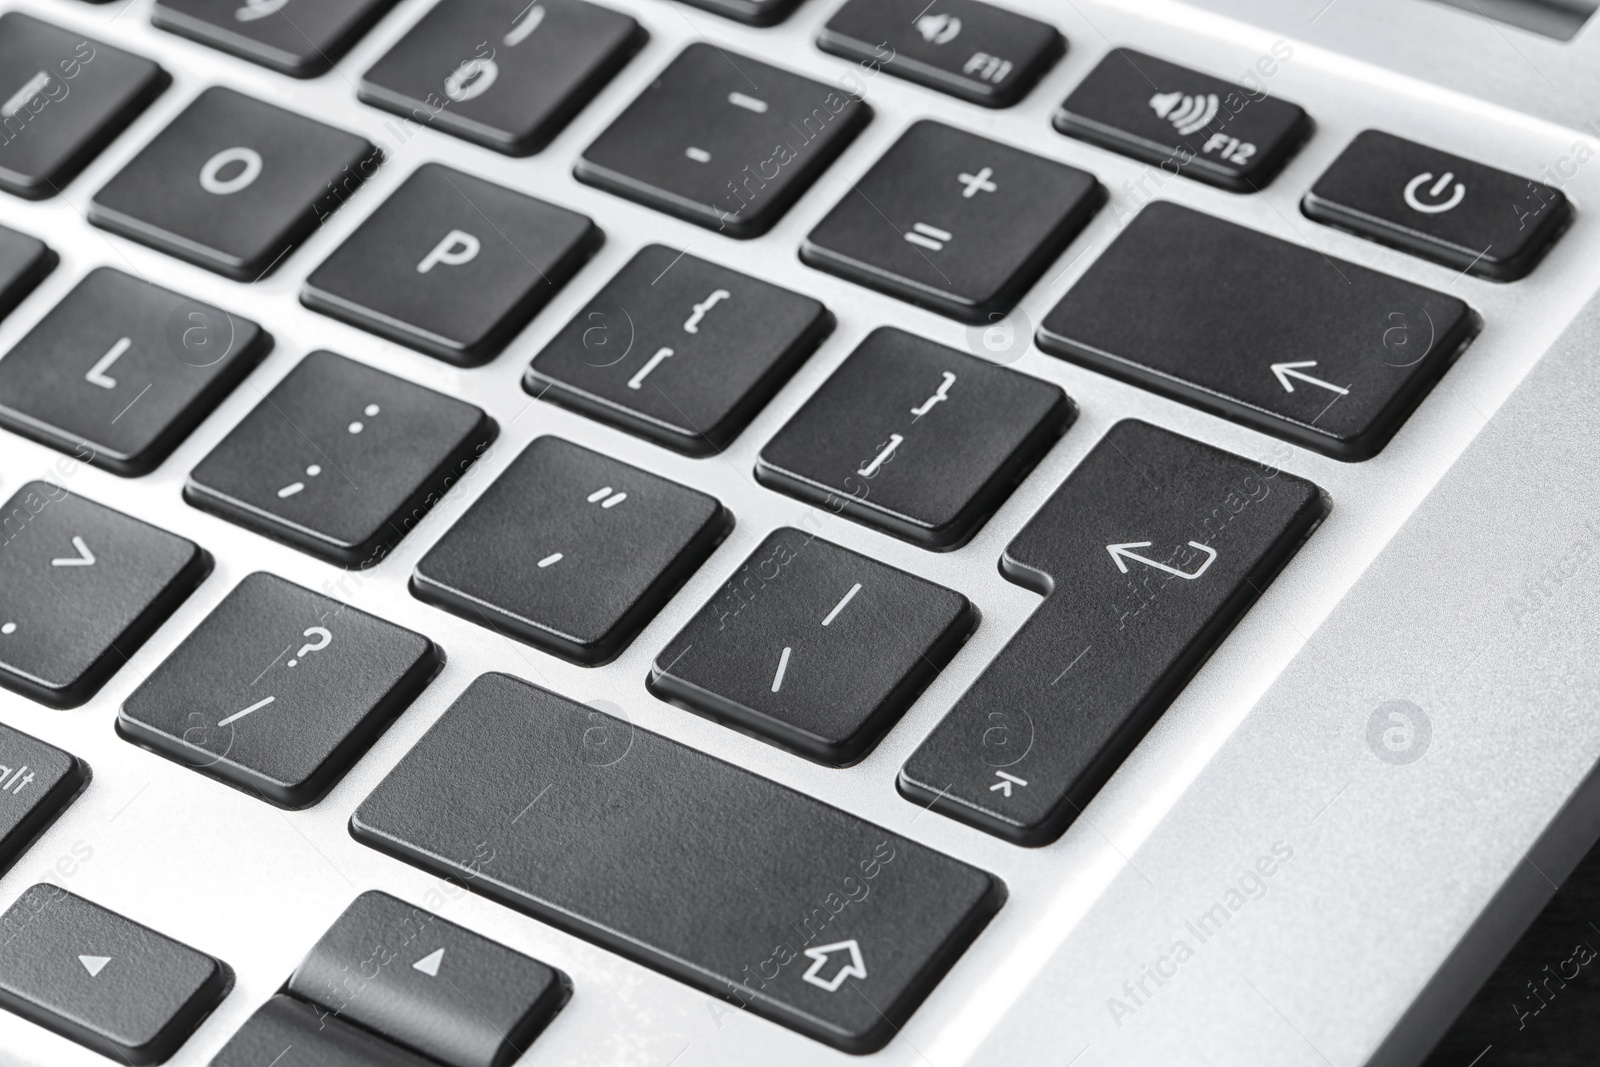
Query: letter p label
(458,247)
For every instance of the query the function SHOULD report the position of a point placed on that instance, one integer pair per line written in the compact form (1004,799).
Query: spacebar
(741,887)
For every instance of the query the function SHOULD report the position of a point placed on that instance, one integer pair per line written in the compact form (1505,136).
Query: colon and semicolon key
(1147,555)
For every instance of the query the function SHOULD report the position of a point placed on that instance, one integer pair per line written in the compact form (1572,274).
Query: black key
(1439,206)
(452,265)
(506,74)
(1539,1007)
(738,886)
(299,39)
(279,691)
(571,551)
(233,184)
(37,782)
(915,439)
(63,98)
(1147,555)
(1321,352)
(101,980)
(752,12)
(972,50)
(121,371)
(679,350)
(340,460)
(81,587)
(24,263)
(954,222)
(430,985)
(723,141)
(1228,135)
(285,1032)
(813,647)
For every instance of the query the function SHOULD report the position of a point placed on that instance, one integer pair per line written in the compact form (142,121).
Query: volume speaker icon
(1189,114)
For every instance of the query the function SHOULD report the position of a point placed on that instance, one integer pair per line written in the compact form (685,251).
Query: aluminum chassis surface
(1393,865)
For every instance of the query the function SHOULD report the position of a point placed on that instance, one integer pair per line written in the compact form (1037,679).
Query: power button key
(1451,210)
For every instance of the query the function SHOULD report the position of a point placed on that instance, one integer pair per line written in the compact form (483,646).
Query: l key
(1148,554)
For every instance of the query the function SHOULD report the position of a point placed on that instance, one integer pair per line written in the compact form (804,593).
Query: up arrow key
(856,968)
(429,964)
(94,964)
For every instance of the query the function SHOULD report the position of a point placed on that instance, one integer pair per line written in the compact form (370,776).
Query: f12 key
(1451,210)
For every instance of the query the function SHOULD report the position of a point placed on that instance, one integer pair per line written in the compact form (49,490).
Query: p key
(724,141)
(122,370)
(1147,555)
(233,184)
(1324,353)
(452,265)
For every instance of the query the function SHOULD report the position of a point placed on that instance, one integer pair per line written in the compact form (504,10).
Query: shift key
(727,881)
(1147,555)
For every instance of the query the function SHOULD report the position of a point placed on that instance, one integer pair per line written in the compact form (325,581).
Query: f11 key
(1147,555)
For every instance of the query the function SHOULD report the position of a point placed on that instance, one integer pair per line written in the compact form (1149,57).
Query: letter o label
(211,179)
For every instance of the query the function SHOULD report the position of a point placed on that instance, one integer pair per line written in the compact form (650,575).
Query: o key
(233,184)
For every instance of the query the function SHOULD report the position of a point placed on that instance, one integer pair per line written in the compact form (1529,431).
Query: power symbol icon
(1434,206)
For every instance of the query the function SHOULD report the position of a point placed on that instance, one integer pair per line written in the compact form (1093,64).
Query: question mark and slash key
(321,639)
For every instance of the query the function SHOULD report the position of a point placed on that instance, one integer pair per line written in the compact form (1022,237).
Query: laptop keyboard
(755,892)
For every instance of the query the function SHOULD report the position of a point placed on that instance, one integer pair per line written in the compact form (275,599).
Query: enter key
(1147,555)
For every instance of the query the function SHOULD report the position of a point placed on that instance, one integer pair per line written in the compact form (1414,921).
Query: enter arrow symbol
(1286,371)
(1123,552)
(85,558)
